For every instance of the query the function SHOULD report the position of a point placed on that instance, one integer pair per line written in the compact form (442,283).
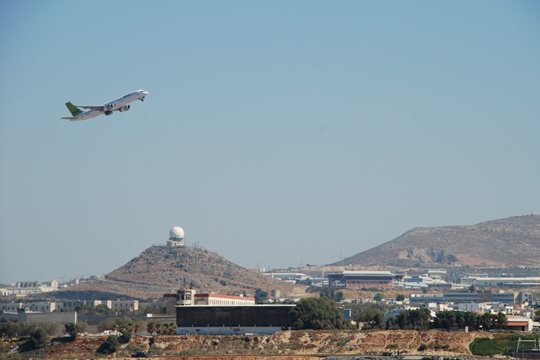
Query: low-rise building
(119,305)
(466,297)
(365,279)
(190,297)
(287,276)
(502,281)
(519,323)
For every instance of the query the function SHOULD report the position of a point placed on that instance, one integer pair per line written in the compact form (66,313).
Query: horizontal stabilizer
(91,107)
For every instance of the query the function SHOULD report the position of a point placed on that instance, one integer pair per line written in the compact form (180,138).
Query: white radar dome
(176,233)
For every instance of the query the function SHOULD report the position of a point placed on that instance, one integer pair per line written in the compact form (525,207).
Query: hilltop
(513,241)
(162,269)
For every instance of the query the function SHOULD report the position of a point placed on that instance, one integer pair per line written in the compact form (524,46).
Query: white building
(190,297)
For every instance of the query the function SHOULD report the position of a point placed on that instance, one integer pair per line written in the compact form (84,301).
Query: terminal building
(216,314)
(365,280)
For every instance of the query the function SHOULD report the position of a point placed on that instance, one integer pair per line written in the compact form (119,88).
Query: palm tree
(151,327)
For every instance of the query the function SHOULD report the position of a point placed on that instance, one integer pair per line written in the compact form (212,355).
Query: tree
(102,309)
(170,328)
(108,324)
(413,319)
(317,313)
(537,315)
(12,329)
(158,328)
(125,326)
(372,315)
(378,320)
(37,340)
(378,296)
(137,325)
(501,319)
(110,346)
(72,330)
(151,327)
(260,296)
(400,297)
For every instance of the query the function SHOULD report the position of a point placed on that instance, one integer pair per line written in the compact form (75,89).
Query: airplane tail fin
(73,109)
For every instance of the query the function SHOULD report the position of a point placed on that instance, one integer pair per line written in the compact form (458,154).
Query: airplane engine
(124,108)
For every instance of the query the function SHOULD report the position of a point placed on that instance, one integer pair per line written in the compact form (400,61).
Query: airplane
(120,104)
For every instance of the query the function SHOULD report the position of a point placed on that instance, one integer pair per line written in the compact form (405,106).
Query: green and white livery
(120,104)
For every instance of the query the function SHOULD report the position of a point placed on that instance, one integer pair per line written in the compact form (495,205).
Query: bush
(108,324)
(422,347)
(124,338)
(73,329)
(110,346)
(37,340)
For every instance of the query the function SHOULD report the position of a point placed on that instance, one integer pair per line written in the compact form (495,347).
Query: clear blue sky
(276,133)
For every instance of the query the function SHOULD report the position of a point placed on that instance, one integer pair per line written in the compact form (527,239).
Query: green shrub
(110,346)
(37,340)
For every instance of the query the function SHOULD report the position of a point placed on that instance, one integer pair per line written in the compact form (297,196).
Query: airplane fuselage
(121,104)
(88,115)
(118,104)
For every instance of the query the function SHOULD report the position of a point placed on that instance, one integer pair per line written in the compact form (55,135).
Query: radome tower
(176,237)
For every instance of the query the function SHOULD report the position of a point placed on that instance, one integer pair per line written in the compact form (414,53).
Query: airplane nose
(145,93)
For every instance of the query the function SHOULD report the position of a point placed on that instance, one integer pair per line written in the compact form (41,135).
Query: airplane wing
(98,107)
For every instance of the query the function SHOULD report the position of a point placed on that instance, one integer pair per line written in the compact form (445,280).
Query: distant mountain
(513,241)
(161,269)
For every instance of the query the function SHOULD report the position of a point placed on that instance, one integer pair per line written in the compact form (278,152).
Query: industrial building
(213,314)
(239,319)
(365,279)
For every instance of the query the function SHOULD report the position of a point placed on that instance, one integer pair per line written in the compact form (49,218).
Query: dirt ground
(285,345)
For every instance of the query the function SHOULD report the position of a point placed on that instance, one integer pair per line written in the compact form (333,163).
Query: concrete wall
(30,318)
(224,330)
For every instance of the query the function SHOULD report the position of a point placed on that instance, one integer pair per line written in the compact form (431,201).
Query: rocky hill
(513,241)
(161,269)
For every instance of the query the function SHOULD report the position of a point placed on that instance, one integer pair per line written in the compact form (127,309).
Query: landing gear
(142,99)
(108,112)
